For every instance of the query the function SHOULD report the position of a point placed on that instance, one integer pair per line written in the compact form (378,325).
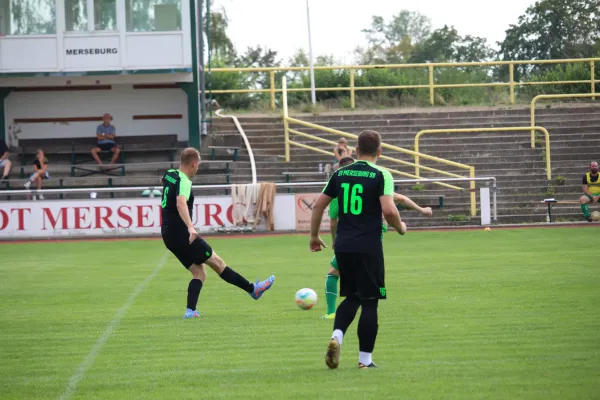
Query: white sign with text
(119,217)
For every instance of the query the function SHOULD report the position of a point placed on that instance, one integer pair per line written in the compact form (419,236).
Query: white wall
(122,102)
(132,50)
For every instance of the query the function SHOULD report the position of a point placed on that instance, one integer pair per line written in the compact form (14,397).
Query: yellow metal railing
(553,96)
(287,130)
(431,84)
(488,130)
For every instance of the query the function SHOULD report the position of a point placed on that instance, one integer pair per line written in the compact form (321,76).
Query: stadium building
(64,63)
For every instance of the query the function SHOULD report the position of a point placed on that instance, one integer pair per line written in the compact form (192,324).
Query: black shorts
(187,254)
(106,146)
(362,275)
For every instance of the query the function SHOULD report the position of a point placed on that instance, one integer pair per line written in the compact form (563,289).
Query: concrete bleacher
(520,171)
(143,161)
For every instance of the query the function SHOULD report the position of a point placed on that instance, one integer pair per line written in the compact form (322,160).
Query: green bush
(408,97)
(458,218)
(569,72)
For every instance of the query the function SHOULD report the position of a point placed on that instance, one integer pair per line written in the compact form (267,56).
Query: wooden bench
(116,181)
(552,202)
(213,151)
(77,147)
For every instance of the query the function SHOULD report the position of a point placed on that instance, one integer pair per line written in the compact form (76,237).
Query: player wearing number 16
(181,238)
(363,191)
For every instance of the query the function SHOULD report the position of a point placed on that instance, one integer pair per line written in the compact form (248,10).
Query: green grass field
(506,314)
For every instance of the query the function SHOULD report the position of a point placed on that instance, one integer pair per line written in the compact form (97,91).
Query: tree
(393,42)
(257,57)
(553,29)
(220,44)
(446,45)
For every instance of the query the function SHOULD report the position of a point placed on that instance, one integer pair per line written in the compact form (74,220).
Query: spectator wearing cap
(106,135)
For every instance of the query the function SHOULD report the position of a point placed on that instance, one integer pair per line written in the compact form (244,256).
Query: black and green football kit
(358,247)
(334,213)
(174,231)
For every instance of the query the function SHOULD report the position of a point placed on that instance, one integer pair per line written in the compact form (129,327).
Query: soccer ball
(596,215)
(306,298)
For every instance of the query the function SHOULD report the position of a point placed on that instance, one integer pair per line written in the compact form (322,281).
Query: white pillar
(484,200)
(313,94)
(61,27)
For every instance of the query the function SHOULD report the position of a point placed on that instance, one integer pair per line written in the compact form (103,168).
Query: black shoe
(363,366)
(590,219)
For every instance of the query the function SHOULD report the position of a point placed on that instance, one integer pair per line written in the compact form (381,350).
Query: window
(105,15)
(76,15)
(153,15)
(28,17)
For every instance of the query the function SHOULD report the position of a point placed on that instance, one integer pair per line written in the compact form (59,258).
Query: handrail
(479,130)
(288,142)
(246,142)
(554,96)
(210,187)
(331,142)
(383,145)
(431,85)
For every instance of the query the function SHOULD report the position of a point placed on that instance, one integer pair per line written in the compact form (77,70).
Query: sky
(336,24)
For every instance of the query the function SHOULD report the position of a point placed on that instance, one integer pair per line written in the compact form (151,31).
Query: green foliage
(553,29)
(550,191)
(418,187)
(446,45)
(393,42)
(561,180)
(568,72)
(219,43)
(548,29)
(458,218)
(230,81)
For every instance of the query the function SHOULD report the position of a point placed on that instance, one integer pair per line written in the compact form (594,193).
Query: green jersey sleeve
(185,186)
(334,209)
(388,183)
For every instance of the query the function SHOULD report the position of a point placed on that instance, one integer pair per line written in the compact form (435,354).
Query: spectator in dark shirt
(40,171)
(106,135)
(4,161)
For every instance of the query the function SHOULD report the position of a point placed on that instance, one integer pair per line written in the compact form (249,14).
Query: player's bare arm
(184,213)
(391,214)
(408,203)
(316,243)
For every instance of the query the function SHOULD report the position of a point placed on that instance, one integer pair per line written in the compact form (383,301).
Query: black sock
(235,279)
(193,293)
(367,325)
(345,313)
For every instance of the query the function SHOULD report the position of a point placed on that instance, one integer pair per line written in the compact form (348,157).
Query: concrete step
(435,113)
(565,128)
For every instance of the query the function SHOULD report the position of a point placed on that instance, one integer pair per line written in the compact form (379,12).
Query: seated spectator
(106,135)
(591,190)
(341,151)
(40,171)
(4,161)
